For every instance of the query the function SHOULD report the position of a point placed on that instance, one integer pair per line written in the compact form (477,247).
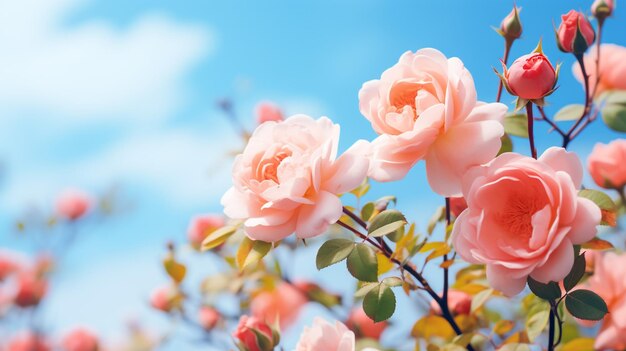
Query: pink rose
(325,336)
(457,205)
(28,342)
(80,339)
(163,298)
(531,76)
(572,23)
(609,281)
(364,326)
(612,68)
(73,204)
(208,317)
(247,331)
(511,26)
(523,218)
(425,108)
(267,111)
(8,266)
(459,302)
(607,164)
(288,177)
(201,226)
(282,304)
(31,288)
(602,9)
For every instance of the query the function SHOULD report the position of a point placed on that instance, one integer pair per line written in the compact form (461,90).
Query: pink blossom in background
(80,339)
(425,108)
(281,304)
(609,281)
(523,218)
(323,335)
(571,23)
(27,341)
(267,111)
(364,326)
(459,302)
(531,76)
(73,204)
(245,332)
(31,288)
(602,8)
(607,164)
(288,177)
(8,266)
(201,226)
(612,68)
(208,317)
(161,298)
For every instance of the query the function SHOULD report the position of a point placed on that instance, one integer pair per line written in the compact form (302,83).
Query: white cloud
(93,69)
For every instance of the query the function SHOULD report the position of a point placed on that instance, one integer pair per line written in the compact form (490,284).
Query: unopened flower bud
(602,9)
(511,26)
(575,34)
(530,77)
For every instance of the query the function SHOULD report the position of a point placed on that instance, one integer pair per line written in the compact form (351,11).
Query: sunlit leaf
(569,113)
(333,251)
(379,303)
(218,237)
(251,252)
(517,125)
(363,264)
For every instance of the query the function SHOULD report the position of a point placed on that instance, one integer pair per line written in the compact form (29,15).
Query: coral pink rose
(201,226)
(602,9)
(208,317)
(31,288)
(28,342)
(459,302)
(607,164)
(531,76)
(457,205)
(612,68)
(572,23)
(425,108)
(325,336)
(73,204)
(282,304)
(609,281)
(523,218)
(267,111)
(8,266)
(248,331)
(80,339)
(364,326)
(288,178)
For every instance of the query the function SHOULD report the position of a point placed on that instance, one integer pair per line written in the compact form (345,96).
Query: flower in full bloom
(575,34)
(425,108)
(80,339)
(612,69)
(523,218)
(364,326)
(281,304)
(267,111)
(607,164)
(323,335)
(254,334)
(289,176)
(201,226)
(73,204)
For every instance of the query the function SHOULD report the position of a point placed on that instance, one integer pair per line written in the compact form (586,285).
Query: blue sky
(117,92)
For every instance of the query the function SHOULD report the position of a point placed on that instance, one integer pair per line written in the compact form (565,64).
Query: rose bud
(255,335)
(208,317)
(267,111)
(27,342)
(30,289)
(80,339)
(364,326)
(511,27)
(459,302)
(165,298)
(607,164)
(457,205)
(201,226)
(73,204)
(575,34)
(530,77)
(602,9)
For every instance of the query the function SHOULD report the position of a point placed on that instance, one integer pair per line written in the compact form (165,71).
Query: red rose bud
(30,290)
(511,27)
(80,339)
(364,326)
(602,9)
(530,77)
(575,34)
(165,298)
(255,335)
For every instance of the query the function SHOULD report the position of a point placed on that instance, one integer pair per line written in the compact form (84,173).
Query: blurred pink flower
(459,302)
(162,298)
(523,218)
(201,226)
(31,288)
(571,23)
(457,205)
(28,341)
(607,164)
(364,326)
(282,304)
(208,317)
(80,339)
(267,111)
(8,266)
(325,336)
(612,68)
(425,108)
(247,331)
(289,177)
(73,204)
(602,9)
(531,76)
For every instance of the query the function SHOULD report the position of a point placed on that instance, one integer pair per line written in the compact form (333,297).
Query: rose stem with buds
(568,135)
(531,133)
(508,43)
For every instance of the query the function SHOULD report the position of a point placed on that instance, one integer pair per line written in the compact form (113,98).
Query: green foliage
(585,304)
(379,303)
(576,274)
(569,112)
(386,222)
(333,251)
(614,111)
(546,291)
(363,264)
(517,125)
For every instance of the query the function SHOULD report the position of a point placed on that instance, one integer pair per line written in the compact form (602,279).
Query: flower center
(418,96)
(517,217)
(268,168)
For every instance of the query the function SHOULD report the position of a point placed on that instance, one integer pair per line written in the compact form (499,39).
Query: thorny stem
(531,133)
(507,48)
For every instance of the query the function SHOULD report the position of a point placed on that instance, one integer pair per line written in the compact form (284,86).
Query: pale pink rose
(531,76)
(8,266)
(282,304)
(607,164)
(457,205)
(28,341)
(609,281)
(364,326)
(31,288)
(208,317)
(425,108)
(612,68)
(571,23)
(163,298)
(325,336)
(459,302)
(288,178)
(245,332)
(201,226)
(80,339)
(602,9)
(267,111)
(73,204)
(523,218)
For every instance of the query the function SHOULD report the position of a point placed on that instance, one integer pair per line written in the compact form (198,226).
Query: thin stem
(560,323)
(445,257)
(568,137)
(544,117)
(531,133)
(552,320)
(600,26)
(507,49)
(622,196)
(355,217)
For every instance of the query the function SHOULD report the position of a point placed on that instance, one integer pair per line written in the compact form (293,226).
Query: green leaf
(218,237)
(366,211)
(546,291)
(251,251)
(379,303)
(517,125)
(362,189)
(384,218)
(507,144)
(387,229)
(392,281)
(363,264)
(614,111)
(586,304)
(364,289)
(537,323)
(333,251)
(576,274)
(569,113)
(601,199)
(479,299)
